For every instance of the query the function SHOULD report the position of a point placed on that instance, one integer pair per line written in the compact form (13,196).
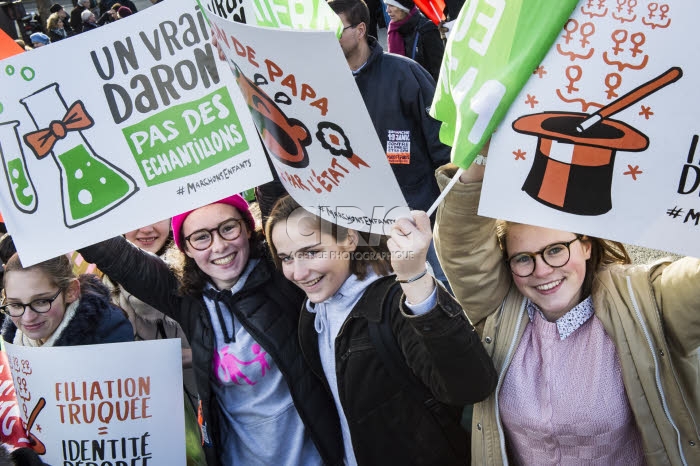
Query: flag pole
(444,192)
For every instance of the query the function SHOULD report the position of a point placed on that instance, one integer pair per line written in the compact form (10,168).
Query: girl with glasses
(406,412)
(48,305)
(259,401)
(596,357)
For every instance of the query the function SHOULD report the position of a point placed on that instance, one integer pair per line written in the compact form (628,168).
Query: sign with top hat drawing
(313,123)
(602,138)
(145,123)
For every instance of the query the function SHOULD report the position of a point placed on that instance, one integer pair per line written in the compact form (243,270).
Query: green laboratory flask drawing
(90,185)
(19,182)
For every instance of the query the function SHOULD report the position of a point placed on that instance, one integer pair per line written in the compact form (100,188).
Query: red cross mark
(646,111)
(540,71)
(531,101)
(519,154)
(634,171)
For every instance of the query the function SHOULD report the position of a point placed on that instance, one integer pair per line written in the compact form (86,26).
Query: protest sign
(314,123)
(602,140)
(120,408)
(12,433)
(8,46)
(143,123)
(286,14)
(492,49)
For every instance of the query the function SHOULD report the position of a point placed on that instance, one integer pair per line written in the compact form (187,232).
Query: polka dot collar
(569,322)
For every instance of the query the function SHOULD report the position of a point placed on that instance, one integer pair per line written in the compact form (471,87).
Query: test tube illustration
(15,165)
(90,185)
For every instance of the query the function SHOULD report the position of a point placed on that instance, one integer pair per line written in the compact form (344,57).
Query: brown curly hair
(603,252)
(366,255)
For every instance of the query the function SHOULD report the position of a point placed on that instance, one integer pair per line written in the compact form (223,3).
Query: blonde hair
(52,22)
(59,270)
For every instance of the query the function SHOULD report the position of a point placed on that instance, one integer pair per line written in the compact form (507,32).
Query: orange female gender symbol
(612,81)
(638,39)
(587,30)
(573,79)
(619,36)
(570,30)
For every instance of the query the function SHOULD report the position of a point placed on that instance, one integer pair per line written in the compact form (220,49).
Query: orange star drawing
(519,154)
(646,111)
(531,101)
(633,171)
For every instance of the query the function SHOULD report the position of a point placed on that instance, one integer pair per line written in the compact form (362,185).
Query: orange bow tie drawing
(42,141)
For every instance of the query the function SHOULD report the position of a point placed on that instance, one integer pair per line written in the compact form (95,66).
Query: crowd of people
(456,339)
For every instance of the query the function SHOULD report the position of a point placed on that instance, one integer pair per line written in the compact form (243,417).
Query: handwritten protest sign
(292,14)
(314,123)
(630,172)
(116,409)
(144,123)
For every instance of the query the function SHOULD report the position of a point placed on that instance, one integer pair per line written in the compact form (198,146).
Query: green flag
(493,49)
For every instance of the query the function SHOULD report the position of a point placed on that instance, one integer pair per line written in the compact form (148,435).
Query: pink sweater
(563,402)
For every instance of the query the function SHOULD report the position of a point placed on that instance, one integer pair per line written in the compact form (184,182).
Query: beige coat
(652,313)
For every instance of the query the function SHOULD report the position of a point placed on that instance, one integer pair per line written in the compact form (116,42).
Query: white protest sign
(631,172)
(102,405)
(314,123)
(294,14)
(143,122)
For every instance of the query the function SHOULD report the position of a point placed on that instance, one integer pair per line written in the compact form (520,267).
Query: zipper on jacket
(502,376)
(657,376)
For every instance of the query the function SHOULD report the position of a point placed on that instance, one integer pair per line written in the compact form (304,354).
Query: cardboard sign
(144,123)
(314,123)
(602,140)
(120,408)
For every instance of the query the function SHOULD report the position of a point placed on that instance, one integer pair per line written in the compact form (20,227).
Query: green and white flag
(492,51)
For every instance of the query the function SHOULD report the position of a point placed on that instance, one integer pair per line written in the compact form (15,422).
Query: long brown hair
(371,251)
(603,252)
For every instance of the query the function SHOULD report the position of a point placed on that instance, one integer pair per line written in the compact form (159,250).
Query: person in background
(260,403)
(397,93)
(24,46)
(347,282)
(39,39)
(76,21)
(55,27)
(597,358)
(110,15)
(89,21)
(123,12)
(413,35)
(63,14)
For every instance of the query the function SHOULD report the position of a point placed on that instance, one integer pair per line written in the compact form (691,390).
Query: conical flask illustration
(20,183)
(90,185)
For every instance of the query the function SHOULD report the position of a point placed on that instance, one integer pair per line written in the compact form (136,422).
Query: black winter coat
(422,43)
(267,306)
(398,93)
(96,320)
(387,424)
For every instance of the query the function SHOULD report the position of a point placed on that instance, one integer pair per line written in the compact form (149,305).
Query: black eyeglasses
(38,305)
(349,27)
(228,230)
(554,255)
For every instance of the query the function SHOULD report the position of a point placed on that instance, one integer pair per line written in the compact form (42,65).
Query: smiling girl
(49,306)
(347,281)
(260,404)
(596,357)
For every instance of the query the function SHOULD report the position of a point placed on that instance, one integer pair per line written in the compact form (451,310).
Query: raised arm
(144,275)
(468,248)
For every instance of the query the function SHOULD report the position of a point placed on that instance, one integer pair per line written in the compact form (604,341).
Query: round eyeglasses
(41,306)
(228,230)
(554,255)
